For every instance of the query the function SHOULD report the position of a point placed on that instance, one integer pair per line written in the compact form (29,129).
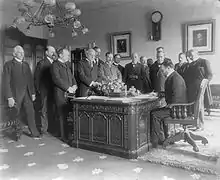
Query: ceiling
(97,4)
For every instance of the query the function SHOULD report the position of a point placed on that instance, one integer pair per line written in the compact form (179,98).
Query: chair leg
(198,138)
(189,139)
(18,130)
(175,138)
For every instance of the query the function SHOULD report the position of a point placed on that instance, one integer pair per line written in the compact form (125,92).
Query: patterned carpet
(50,159)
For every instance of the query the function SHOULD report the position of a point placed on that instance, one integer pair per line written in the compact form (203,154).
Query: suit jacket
(175,89)
(157,77)
(109,73)
(43,78)
(196,72)
(147,82)
(86,74)
(17,80)
(121,69)
(134,76)
(63,79)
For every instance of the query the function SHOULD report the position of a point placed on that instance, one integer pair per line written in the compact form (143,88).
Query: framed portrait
(200,35)
(120,43)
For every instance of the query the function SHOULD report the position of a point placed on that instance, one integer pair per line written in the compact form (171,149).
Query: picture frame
(200,35)
(120,43)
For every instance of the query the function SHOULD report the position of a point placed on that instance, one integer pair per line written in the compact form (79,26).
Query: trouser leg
(159,130)
(63,113)
(44,114)
(29,110)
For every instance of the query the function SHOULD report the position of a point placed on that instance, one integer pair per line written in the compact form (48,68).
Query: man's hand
(33,97)
(70,90)
(169,106)
(11,102)
(74,87)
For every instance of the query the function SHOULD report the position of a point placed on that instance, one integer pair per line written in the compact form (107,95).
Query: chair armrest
(181,104)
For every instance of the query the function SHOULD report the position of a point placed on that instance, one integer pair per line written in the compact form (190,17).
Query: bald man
(19,88)
(44,88)
(134,74)
(88,72)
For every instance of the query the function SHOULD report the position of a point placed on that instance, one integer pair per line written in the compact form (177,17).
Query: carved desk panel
(112,127)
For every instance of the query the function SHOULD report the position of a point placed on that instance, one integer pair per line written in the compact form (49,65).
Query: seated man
(108,71)
(175,92)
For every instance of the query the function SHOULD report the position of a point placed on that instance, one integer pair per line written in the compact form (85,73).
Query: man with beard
(19,87)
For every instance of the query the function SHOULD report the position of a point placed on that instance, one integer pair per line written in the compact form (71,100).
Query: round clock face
(156,16)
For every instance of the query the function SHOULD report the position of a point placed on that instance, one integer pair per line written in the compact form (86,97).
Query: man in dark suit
(147,83)
(198,70)
(19,87)
(175,92)
(116,62)
(88,73)
(98,60)
(134,73)
(64,82)
(181,66)
(44,87)
(158,78)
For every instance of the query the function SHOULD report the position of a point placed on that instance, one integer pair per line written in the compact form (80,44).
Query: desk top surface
(117,100)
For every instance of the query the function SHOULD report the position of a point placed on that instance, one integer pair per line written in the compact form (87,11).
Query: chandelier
(50,13)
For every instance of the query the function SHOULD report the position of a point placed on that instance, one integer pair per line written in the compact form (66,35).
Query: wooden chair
(188,114)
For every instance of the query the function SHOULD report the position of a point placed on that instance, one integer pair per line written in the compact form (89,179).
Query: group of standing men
(54,77)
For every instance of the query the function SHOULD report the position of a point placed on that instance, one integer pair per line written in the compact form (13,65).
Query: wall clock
(156,18)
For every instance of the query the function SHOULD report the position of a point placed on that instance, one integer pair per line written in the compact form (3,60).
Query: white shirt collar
(20,61)
(51,60)
(171,71)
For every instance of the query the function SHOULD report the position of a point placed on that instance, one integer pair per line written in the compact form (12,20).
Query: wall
(135,17)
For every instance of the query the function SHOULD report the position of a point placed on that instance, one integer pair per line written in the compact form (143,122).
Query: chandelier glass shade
(50,13)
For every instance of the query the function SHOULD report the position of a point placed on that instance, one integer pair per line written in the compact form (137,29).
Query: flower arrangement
(112,88)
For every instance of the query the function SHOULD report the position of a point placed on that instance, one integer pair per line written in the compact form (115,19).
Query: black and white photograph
(201,36)
(109,90)
(120,43)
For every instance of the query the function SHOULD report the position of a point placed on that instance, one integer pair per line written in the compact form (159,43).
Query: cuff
(91,83)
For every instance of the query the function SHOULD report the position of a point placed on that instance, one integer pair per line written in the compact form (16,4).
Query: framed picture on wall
(200,35)
(120,43)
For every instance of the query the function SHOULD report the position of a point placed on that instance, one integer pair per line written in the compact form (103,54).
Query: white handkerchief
(3,150)
(65,145)
(31,164)
(42,144)
(61,153)
(96,171)
(62,166)
(4,166)
(29,154)
(20,146)
(138,170)
(195,176)
(102,157)
(78,159)
(10,141)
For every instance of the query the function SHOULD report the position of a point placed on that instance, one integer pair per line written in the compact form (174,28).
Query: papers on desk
(121,99)
(145,96)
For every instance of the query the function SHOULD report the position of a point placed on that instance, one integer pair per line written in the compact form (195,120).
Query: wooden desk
(112,125)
